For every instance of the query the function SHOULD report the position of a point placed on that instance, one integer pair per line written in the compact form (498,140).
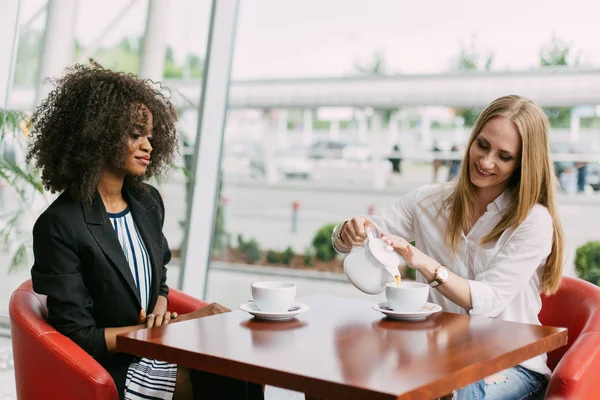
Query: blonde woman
(488,243)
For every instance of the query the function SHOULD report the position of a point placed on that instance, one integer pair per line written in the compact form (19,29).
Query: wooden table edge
(452,381)
(455,379)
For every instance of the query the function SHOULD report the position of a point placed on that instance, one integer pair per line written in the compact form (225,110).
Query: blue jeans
(520,384)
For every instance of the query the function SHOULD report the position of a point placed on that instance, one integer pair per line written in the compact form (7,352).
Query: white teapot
(372,265)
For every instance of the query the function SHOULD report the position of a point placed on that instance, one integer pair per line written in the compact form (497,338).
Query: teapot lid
(383,252)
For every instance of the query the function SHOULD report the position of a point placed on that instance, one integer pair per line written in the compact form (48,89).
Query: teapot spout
(389,274)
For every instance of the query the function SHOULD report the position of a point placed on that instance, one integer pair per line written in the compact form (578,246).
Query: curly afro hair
(81,129)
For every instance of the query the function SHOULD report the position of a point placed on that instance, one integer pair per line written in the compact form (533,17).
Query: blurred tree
(172,70)
(470,58)
(375,66)
(24,180)
(557,53)
(195,65)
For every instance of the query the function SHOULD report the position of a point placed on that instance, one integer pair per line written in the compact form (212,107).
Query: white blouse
(504,276)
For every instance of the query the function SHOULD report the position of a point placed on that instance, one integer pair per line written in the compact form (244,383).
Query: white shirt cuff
(483,299)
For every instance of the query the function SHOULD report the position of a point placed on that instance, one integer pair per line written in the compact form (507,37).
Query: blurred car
(289,163)
(356,152)
(326,149)
(593,176)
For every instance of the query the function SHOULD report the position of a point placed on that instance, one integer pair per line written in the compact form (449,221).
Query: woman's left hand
(157,319)
(414,257)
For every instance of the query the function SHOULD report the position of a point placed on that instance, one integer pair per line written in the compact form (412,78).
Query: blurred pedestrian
(453,163)
(582,172)
(437,162)
(396,160)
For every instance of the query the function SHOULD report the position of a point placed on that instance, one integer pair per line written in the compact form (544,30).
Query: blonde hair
(533,183)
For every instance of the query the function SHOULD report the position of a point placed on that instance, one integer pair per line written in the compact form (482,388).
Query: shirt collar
(500,202)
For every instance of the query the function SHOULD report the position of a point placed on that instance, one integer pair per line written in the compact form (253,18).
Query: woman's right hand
(210,309)
(354,232)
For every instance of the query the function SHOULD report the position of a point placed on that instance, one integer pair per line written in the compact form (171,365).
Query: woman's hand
(211,309)
(157,319)
(354,232)
(414,257)
(160,316)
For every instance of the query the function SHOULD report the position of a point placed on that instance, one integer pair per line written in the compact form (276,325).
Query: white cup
(409,297)
(273,296)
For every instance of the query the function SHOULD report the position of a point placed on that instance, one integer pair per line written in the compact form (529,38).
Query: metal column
(9,39)
(209,142)
(152,61)
(58,50)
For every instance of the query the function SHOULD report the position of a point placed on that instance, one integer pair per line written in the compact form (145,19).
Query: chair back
(48,365)
(576,306)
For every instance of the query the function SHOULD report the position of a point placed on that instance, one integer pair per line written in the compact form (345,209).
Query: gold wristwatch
(441,276)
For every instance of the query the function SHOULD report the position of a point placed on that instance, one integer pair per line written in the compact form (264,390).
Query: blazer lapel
(149,227)
(101,229)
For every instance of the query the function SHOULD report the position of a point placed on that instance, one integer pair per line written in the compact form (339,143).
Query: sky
(309,38)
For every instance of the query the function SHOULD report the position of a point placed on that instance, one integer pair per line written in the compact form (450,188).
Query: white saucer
(274,316)
(423,313)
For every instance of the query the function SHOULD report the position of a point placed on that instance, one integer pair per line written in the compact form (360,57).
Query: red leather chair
(576,366)
(48,365)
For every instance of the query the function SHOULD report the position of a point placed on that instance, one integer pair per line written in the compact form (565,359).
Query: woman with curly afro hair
(99,250)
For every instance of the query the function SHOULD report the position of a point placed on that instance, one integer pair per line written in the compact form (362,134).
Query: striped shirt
(146,378)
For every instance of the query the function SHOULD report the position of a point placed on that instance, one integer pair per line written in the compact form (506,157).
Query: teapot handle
(369,237)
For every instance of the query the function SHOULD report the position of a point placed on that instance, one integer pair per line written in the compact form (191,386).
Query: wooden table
(342,348)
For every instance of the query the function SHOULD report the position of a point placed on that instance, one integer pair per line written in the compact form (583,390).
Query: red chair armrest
(183,303)
(50,365)
(576,375)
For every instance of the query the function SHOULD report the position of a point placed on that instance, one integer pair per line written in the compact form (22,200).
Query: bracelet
(336,239)
(338,230)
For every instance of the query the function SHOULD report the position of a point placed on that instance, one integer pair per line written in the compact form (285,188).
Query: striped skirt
(150,379)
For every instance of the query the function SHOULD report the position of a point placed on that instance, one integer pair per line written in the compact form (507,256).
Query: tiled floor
(7,377)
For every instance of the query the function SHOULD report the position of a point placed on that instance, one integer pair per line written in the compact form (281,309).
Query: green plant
(410,273)
(273,257)
(287,256)
(322,243)
(587,262)
(250,249)
(221,238)
(309,256)
(22,179)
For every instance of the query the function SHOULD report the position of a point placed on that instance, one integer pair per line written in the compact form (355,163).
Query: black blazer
(80,265)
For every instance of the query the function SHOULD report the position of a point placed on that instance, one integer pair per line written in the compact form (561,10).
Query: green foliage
(410,273)
(559,117)
(283,257)
(309,256)
(24,180)
(557,53)
(28,57)
(376,66)
(118,59)
(287,256)
(220,236)
(587,262)
(322,243)
(470,58)
(273,257)
(469,115)
(250,249)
